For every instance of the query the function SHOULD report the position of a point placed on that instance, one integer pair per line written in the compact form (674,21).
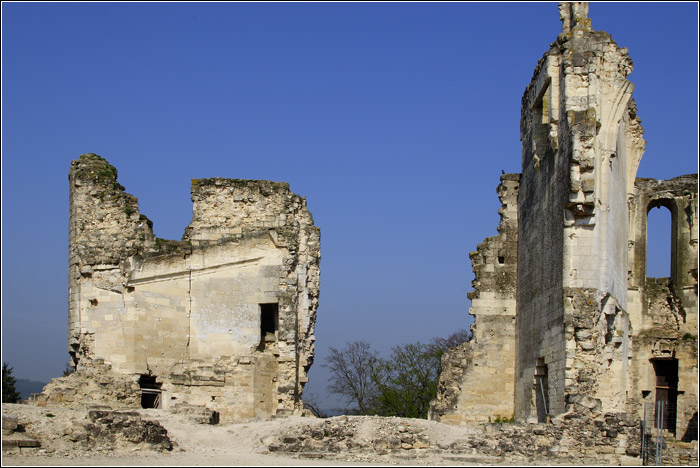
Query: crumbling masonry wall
(224,318)
(581,148)
(663,311)
(479,374)
(592,336)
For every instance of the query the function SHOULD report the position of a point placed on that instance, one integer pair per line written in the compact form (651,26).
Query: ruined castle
(566,320)
(223,319)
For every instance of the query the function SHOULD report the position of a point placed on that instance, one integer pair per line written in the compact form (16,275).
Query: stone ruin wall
(664,310)
(580,148)
(479,374)
(542,193)
(188,314)
(588,321)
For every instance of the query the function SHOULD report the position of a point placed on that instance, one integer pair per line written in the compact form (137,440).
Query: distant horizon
(393,120)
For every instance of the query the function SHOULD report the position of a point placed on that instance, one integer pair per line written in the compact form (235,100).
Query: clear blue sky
(394,120)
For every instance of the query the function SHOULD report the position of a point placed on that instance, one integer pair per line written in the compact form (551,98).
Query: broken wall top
(106,226)
(109,227)
(233,208)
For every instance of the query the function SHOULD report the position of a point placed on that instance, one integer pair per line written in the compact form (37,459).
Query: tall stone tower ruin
(581,148)
(580,329)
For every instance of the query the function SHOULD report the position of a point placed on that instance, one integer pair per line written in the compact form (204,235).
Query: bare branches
(402,385)
(455,339)
(352,369)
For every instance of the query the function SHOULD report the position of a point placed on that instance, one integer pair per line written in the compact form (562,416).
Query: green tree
(407,381)
(402,385)
(9,393)
(439,346)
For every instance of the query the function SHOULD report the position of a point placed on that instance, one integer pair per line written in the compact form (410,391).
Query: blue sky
(394,120)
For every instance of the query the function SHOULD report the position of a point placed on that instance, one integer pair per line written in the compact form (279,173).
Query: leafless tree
(352,369)
(455,339)
(402,385)
(312,402)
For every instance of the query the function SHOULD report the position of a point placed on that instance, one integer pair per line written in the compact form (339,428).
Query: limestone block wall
(541,199)
(598,328)
(476,384)
(224,318)
(579,150)
(593,336)
(663,311)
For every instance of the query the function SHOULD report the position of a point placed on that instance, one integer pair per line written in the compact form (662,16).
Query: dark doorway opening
(269,318)
(150,391)
(666,371)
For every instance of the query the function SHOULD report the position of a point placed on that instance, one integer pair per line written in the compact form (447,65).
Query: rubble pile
(68,432)
(609,438)
(351,433)
(117,429)
(90,386)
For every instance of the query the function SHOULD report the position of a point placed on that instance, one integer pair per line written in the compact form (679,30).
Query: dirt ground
(216,445)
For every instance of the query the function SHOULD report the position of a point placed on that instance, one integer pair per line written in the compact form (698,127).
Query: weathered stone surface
(590,335)
(664,311)
(581,149)
(21,443)
(85,430)
(90,387)
(224,318)
(567,440)
(610,439)
(9,424)
(479,374)
(197,413)
(119,428)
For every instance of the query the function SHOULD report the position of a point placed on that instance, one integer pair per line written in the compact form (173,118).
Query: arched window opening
(659,242)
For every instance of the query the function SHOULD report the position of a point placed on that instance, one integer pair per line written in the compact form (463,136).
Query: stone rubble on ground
(65,432)
(81,434)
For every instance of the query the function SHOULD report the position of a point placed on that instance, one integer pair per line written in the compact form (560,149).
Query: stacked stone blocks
(188,315)
(590,329)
